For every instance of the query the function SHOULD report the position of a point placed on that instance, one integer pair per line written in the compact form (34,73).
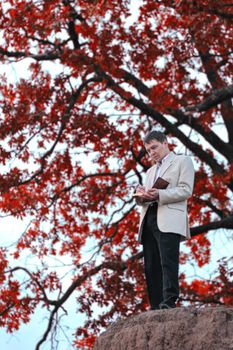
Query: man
(164,220)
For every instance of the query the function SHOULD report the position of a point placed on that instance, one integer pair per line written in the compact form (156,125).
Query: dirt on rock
(185,328)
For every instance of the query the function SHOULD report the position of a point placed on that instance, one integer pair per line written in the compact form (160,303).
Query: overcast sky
(10,231)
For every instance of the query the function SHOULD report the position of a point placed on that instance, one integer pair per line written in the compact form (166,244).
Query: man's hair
(155,135)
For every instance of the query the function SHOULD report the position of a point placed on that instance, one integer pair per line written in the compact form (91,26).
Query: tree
(100,75)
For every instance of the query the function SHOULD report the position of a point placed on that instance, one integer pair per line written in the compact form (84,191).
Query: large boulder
(185,328)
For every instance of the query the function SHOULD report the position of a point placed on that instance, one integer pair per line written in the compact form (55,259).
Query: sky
(29,334)
(10,231)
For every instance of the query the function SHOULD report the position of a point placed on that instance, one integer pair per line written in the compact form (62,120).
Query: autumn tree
(97,76)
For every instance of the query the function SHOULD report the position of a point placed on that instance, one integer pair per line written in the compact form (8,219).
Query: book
(160,184)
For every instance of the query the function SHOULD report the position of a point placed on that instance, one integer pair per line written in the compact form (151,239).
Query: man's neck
(164,157)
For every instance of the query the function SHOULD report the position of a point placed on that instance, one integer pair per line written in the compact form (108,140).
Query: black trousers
(161,261)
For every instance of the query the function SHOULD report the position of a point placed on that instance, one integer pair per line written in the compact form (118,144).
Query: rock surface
(186,328)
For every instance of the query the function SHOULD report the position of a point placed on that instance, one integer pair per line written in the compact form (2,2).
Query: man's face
(157,150)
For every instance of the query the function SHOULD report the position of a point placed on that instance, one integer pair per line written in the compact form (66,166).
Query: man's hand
(150,195)
(139,194)
(140,189)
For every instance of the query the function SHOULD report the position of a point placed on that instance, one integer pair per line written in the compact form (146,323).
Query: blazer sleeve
(185,183)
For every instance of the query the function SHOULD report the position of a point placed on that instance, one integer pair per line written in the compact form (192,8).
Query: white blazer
(172,214)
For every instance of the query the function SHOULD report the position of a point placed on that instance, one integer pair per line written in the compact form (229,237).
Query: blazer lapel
(151,177)
(166,164)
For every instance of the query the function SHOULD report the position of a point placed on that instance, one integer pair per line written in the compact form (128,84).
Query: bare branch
(48,329)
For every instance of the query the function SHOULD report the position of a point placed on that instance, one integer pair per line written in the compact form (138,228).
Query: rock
(185,328)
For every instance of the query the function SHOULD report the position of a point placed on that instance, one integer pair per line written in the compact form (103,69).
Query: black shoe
(155,308)
(164,306)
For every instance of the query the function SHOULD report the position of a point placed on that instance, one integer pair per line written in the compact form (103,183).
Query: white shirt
(157,172)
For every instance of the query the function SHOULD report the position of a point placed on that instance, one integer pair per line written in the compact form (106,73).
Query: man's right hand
(141,191)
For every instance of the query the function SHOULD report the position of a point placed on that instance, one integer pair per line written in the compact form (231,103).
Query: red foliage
(99,74)
(216,291)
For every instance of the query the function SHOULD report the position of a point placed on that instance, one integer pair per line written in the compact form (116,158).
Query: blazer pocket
(176,206)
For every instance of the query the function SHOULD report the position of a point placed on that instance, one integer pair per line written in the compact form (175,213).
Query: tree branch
(226,223)
(9,306)
(217,96)
(210,67)
(48,56)
(214,140)
(64,120)
(19,268)
(156,115)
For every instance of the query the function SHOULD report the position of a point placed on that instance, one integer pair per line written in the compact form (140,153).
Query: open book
(160,184)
